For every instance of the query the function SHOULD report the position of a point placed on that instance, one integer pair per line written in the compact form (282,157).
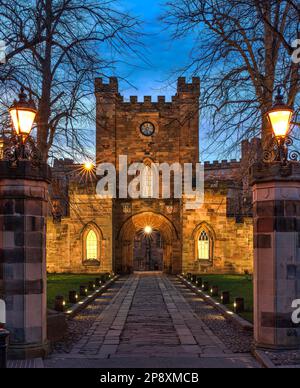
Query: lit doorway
(148,251)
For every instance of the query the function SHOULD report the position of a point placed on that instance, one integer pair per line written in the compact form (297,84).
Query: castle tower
(107,96)
(188,110)
(161,131)
(182,238)
(147,132)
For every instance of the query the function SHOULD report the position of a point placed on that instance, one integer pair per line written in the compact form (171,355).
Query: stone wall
(176,137)
(223,170)
(65,248)
(130,217)
(176,140)
(232,241)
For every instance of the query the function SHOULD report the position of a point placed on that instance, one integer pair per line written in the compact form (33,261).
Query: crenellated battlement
(147,100)
(224,164)
(223,171)
(185,87)
(111,87)
(250,150)
(184,90)
(175,121)
(63,163)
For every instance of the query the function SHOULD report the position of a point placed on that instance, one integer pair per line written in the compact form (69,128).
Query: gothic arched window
(92,243)
(91,246)
(147,181)
(204,246)
(204,238)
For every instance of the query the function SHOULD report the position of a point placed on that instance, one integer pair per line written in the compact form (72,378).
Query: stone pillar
(23,212)
(276,196)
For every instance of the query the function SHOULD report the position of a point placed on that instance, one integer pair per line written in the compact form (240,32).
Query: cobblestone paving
(79,325)
(150,321)
(236,339)
(36,363)
(148,329)
(285,358)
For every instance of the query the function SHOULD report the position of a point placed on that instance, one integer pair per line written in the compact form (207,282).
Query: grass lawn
(62,284)
(238,286)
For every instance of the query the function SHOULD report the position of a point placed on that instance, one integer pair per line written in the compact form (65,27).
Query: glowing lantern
(280,117)
(23,113)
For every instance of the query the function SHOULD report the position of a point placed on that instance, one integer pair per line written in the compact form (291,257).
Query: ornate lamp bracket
(16,150)
(278,151)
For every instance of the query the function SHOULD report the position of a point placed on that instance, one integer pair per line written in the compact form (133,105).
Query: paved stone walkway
(235,338)
(36,363)
(149,323)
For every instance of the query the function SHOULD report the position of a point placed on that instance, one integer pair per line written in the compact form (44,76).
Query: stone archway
(148,251)
(136,223)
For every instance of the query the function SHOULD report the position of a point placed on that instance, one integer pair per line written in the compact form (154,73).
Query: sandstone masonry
(221,230)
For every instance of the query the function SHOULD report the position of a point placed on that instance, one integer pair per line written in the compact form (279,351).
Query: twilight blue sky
(163,56)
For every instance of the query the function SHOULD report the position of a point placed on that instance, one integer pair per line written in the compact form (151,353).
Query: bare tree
(295,5)
(57,47)
(243,51)
(10,18)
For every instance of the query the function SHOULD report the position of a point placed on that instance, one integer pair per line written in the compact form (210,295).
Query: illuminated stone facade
(222,227)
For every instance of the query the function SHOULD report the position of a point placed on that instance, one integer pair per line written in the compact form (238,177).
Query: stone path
(36,363)
(235,338)
(149,323)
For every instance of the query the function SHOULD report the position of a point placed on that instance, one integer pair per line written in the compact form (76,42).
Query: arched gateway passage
(148,251)
(136,250)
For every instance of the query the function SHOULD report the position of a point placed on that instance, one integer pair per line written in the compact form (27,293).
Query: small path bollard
(4,335)
(83,291)
(214,291)
(91,286)
(194,278)
(205,286)
(73,297)
(59,304)
(225,297)
(199,282)
(239,305)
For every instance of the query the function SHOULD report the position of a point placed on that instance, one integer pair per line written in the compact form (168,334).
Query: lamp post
(23,114)
(20,144)
(276,220)
(280,117)
(24,183)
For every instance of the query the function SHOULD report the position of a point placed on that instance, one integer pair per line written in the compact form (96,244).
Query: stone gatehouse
(88,235)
